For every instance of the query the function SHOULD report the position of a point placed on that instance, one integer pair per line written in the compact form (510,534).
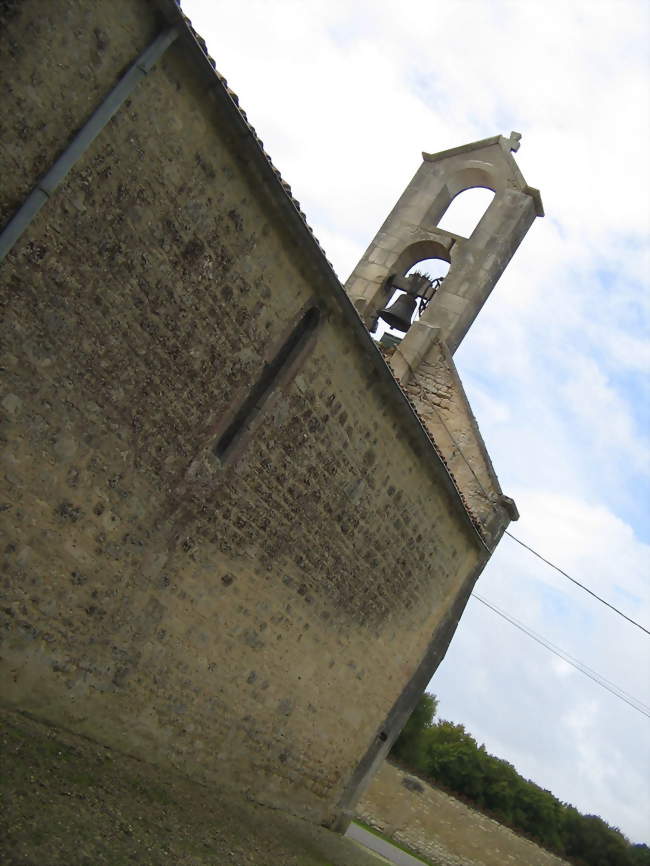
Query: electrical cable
(484,494)
(577,583)
(565,655)
(633,702)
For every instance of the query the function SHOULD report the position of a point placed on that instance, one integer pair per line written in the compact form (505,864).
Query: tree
(452,758)
(448,755)
(409,746)
(639,855)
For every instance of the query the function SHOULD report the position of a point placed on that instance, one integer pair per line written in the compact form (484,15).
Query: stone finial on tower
(514,142)
(410,234)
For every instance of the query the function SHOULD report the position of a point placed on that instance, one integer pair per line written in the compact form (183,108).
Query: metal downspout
(82,141)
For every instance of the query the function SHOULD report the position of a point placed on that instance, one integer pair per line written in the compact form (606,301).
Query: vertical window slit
(268,379)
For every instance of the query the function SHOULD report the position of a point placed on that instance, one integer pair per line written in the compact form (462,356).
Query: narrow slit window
(267,381)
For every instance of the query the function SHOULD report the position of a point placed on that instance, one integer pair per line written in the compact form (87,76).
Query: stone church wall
(250,621)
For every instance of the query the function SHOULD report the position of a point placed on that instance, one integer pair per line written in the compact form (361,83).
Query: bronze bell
(400,313)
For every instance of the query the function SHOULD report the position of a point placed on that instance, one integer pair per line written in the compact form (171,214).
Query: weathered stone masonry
(263,622)
(442,828)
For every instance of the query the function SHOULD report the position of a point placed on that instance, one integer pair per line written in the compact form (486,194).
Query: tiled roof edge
(175,16)
(200,41)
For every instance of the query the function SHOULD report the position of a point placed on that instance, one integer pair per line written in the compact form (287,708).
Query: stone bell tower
(410,234)
(423,362)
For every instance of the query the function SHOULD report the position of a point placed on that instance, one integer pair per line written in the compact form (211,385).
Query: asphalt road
(379,846)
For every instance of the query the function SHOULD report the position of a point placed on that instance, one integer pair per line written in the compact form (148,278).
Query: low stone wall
(442,828)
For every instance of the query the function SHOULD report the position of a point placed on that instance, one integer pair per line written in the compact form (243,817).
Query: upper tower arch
(466,210)
(466,175)
(473,173)
(476,261)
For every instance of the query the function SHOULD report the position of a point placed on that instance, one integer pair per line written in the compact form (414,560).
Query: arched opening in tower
(427,273)
(466,211)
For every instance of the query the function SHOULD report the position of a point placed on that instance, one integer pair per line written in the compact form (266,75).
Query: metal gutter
(82,141)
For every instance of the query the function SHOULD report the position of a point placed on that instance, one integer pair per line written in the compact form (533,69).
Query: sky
(346,96)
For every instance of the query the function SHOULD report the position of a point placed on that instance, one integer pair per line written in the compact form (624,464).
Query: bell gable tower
(411,234)
(423,360)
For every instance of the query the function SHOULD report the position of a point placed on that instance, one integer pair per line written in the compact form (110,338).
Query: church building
(239,527)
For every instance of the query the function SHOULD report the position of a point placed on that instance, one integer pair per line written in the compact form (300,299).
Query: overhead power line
(487,498)
(618,692)
(484,494)
(577,583)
